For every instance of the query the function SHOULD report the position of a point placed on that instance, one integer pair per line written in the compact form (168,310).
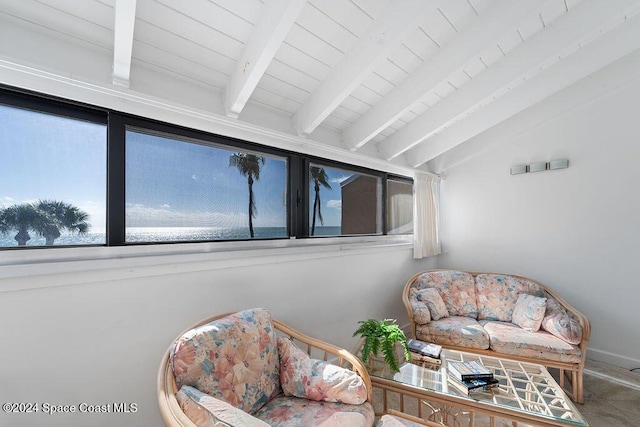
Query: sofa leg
(578,392)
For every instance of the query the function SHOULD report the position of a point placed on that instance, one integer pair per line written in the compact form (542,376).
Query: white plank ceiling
(403,81)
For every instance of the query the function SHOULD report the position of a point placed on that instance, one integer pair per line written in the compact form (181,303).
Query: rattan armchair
(171,411)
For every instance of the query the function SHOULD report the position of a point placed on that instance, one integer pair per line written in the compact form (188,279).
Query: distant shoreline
(167,234)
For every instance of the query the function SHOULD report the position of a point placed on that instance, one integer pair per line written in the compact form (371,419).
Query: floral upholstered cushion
(420,312)
(419,309)
(207,411)
(307,378)
(456,288)
(529,311)
(431,297)
(497,296)
(289,411)
(234,359)
(460,331)
(558,322)
(507,338)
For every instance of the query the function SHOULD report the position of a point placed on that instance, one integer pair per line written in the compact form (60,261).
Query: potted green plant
(382,335)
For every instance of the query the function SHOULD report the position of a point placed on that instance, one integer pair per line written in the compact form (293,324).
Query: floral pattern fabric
(529,311)
(431,297)
(304,377)
(234,359)
(558,322)
(284,411)
(507,338)
(454,330)
(456,288)
(207,411)
(419,310)
(497,296)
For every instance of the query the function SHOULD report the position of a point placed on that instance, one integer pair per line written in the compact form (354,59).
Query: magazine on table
(474,386)
(424,348)
(469,370)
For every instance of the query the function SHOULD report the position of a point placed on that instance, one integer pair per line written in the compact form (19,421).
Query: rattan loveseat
(247,369)
(502,315)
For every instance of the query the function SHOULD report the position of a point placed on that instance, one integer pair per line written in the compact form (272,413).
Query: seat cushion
(284,411)
(456,288)
(205,410)
(234,359)
(507,338)
(454,330)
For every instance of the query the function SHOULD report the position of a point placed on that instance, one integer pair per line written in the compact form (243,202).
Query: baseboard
(612,359)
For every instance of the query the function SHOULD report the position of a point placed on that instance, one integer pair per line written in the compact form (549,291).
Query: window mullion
(116,180)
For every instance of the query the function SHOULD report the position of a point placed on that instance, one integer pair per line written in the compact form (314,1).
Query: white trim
(612,358)
(126,100)
(612,379)
(122,262)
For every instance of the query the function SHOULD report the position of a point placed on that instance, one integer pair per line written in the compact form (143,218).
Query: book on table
(421,359)
(424,348)
(474,386)
(469,370)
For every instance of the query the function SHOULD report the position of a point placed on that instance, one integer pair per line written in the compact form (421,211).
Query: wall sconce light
(540,166)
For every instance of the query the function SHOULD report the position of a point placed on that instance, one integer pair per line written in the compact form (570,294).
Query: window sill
(158,259)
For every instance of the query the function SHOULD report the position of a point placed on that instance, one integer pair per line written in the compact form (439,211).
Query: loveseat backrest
(234,358)
(497,294)
(457,289)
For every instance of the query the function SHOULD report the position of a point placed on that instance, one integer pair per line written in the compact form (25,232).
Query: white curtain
(426,215)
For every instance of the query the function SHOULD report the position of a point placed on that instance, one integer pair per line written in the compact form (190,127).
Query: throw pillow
(307,378)
(529,312)
(434,301)
(559,323)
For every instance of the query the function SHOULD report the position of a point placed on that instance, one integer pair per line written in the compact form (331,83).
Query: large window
(343,202)
(75,175)
(53,172)
(179,190)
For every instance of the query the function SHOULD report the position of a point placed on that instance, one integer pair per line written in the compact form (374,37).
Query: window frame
(117,123)
(397,178)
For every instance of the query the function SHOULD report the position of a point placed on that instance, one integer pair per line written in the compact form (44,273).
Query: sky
(49,157)
(169,183)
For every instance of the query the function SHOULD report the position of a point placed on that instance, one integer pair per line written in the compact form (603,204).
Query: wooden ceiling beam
(567,33)
(501,17)
(398,19)
(125,19)
(271,29)
(613,45)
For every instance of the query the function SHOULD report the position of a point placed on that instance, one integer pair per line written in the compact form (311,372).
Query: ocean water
(167,234)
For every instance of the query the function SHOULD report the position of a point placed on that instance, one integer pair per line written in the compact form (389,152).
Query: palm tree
(23,218)
(56,216)
(319,177)
(248,165)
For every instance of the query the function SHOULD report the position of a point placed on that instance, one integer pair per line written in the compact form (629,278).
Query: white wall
(575,229)
(100,339)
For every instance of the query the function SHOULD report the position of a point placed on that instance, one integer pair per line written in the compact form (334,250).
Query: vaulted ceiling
(402,81)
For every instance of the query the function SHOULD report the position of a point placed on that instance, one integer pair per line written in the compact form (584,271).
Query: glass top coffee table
(526,394)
